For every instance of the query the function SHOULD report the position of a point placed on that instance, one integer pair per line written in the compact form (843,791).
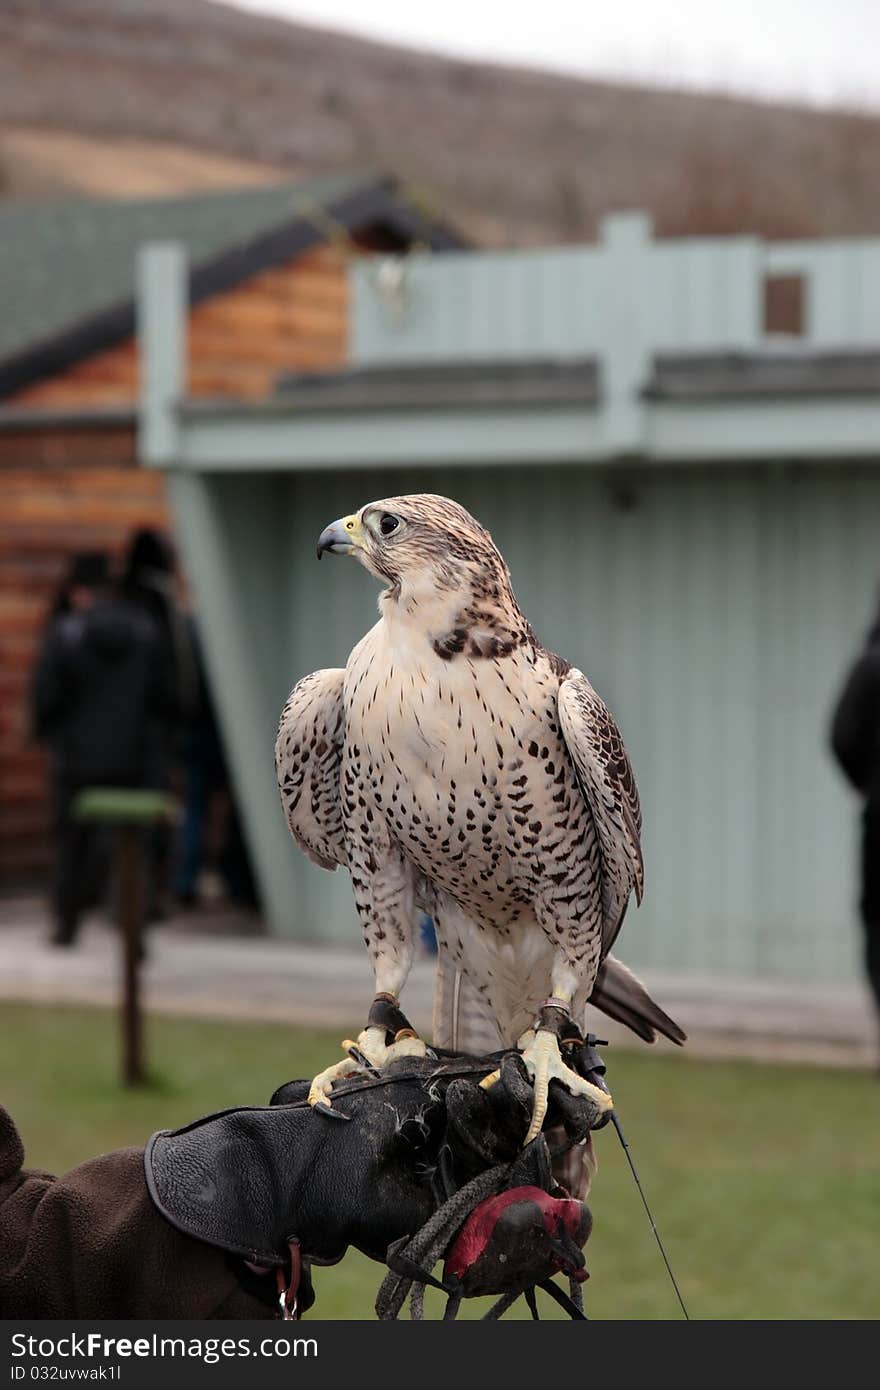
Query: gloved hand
(251,1180)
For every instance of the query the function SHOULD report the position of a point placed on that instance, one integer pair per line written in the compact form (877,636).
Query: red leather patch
(477,1230)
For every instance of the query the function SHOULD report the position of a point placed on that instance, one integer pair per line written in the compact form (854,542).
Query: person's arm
(91,1244)
(50,684)
(855,722)
(163,696)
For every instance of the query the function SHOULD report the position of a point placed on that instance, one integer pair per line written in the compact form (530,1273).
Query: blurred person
(101,696)
(149,582)
(855,740)
(206,782)
(87,573)
(203,773)
(428,935)
(87,568)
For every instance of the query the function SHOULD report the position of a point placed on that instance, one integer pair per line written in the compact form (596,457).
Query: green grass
(765,1180)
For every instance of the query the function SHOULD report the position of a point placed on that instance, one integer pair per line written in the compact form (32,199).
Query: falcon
(457,766)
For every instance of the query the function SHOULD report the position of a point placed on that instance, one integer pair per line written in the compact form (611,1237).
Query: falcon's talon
(360,1057)
(370,1053)
(371,1043)
(541,1054)
(324,1109)
(319,1091)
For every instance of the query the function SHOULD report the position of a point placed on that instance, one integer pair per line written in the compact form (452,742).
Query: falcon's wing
(308,756)
(609,789)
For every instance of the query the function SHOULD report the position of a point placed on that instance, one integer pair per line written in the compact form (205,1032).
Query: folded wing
(308,759)
(609,788)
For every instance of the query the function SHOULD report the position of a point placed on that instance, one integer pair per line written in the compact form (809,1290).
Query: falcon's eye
(389,524)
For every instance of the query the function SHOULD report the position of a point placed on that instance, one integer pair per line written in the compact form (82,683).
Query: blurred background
(613,282)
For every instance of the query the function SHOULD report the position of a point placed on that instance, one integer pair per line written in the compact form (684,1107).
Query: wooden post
(130,862)
(131,812)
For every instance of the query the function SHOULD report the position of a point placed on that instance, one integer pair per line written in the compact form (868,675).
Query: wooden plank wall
(58,496)
(63,490)
(293,317)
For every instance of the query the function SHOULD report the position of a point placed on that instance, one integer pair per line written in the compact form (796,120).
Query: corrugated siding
(716,612)
(677,295)
(479,304)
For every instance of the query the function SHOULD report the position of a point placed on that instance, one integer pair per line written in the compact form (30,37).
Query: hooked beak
(340,537)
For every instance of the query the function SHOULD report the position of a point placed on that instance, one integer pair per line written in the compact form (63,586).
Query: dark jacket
(102,695)
(855,729)
(91,1244)
(151,591)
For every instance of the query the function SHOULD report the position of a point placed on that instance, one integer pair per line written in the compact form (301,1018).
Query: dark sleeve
(854,727)
(50,690)
(91,1244)
(163,694)
(168,693)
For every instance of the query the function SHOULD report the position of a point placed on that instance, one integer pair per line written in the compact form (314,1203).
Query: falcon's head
(421,543)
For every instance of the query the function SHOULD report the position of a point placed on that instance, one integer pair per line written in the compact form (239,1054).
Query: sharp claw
(489,1081)
(539,1112)
(319,1091)
(360,1057)
(537,1053)
(324,1108)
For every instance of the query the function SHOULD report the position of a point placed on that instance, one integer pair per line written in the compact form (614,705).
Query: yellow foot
(372,1052)
(540,1052)
(319,1091)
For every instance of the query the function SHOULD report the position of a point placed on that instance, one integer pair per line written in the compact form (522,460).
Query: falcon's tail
(619,994)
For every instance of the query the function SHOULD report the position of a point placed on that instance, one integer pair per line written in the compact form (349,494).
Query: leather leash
(288,1297)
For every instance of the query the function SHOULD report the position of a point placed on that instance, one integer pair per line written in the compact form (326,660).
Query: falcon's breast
(465,764)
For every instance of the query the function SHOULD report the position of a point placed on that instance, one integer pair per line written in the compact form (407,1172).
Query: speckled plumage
(457,765)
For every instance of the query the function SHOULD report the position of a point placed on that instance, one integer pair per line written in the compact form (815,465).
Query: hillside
(37,162)
(159,89)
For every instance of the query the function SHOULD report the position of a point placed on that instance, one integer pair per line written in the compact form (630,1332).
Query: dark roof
(16,419)
(712,376)
(531,381)
(67,269)
(691,378)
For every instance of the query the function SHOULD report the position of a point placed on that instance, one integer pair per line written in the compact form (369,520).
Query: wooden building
(268,294)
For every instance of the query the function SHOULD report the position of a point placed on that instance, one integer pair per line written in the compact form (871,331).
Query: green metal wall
(624,296)
(714,608)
